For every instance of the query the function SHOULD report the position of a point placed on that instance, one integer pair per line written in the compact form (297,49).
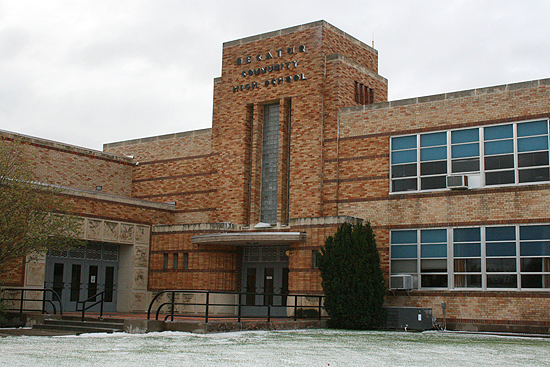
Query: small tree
(352,279)
(32,215)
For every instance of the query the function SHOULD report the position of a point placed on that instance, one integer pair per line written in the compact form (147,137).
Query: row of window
(512,153)
(176,261)
(500,257)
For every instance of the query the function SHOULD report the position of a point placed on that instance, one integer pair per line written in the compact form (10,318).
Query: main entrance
(265,272)
(83,272)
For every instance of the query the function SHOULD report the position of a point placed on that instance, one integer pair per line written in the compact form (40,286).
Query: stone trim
(66,148)
(450,96)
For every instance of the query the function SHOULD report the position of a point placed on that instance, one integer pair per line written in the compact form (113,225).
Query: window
(270,164)
(185,261)
(165,264)
(314,259)
(175,261)
(363,94)
(506,154)
(425,260)
(495,257)
(467,257)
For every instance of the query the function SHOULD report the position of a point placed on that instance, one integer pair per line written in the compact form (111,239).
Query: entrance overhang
(249,238)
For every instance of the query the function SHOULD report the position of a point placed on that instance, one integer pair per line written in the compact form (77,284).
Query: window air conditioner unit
(401,281)
(457,182)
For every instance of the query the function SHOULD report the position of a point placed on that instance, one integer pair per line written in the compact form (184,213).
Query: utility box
(409,318)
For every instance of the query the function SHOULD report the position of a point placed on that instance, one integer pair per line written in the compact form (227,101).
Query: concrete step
(74,325)
(98,324)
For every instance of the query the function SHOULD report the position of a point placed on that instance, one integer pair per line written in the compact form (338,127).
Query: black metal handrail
(93,299)
(239,304)
(21,299)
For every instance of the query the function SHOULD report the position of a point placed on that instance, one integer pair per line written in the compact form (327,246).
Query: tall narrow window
(176,260)
(165,261)
(185,261)
(270,164)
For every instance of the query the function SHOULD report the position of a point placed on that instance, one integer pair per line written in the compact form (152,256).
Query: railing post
(239,309)
(101,306)
(206,310)
(21,303)
(44,302)
(172,306)
(320,305)
(295,307)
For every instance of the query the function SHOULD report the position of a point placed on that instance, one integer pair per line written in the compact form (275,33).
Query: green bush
(352,279)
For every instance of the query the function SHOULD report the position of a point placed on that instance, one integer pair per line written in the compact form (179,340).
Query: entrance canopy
(249,238)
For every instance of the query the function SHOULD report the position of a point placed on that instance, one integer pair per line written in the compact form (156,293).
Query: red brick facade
(333,165)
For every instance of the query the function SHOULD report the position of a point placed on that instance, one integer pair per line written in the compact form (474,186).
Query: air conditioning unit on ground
(457,182)
(401,281)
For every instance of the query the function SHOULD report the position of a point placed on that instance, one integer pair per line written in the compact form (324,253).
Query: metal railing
(169,307)
(101,302)
(21,294)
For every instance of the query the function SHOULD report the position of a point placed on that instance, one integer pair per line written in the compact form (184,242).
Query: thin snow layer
(276,348)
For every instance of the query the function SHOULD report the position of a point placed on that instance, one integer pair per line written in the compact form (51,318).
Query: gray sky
(93,72)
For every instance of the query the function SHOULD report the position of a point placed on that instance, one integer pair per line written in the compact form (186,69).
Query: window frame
(520,259)
(407,176)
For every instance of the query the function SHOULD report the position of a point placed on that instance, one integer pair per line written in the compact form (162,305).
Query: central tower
(275,121)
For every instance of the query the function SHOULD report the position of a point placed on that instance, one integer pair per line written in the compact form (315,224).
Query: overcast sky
(92,72)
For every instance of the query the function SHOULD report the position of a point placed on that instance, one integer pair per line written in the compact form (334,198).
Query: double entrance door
(264,280)
(82,274)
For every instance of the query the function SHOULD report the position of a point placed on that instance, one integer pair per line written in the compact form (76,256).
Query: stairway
(75,325)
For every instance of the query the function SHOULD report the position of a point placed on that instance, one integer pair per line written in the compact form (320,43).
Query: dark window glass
(500,233)
(436,182)
(165,261)
(533,159)
(467,249)
(531,281)
(434,266)
(534,175)
(531,264)
(498,178)
(501,281)
(467,265)
(500,265)
(403,266)
(404,252)
(534,232)
(403,237)
(467,281)
(539,248)
(465,165)
(404,185)
(403,170)
(501,249)
(434,281)
(499,162)
(466,235)
(433,168)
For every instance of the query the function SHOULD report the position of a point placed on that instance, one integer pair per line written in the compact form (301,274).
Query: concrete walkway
(137,323)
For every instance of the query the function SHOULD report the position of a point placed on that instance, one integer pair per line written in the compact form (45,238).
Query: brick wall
(174,168)
(363,188)
(61,164)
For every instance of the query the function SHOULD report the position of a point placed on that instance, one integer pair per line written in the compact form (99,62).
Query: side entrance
(265,271)
(82,273)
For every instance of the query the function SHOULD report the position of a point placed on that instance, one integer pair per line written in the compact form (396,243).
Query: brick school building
(456,187)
